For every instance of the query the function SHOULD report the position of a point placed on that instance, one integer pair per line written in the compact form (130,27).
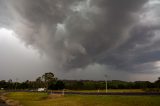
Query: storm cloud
(75,34)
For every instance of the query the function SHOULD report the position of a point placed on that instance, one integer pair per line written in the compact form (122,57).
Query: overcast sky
(80,39)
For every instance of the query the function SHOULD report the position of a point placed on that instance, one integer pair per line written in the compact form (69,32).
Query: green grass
(109,90)
(40,99)
(27,96)
(1,91)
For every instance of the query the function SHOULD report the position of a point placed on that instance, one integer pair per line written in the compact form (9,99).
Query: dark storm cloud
(109,29)
(139,49)
(77,33)
(5,16)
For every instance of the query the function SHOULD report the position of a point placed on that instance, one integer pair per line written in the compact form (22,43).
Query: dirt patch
(9,102)
(2,101)
(54,96)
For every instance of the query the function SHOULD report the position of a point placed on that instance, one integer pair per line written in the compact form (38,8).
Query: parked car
(41,89)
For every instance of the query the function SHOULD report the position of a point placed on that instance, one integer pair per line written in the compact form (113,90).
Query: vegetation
(115,84)
(50,82)
(48,79)
(1,91)
(41,99)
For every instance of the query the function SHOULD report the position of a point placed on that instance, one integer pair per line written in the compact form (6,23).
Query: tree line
(47,80)
(50,82)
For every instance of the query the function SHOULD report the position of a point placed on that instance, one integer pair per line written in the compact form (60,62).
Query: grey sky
(80,39)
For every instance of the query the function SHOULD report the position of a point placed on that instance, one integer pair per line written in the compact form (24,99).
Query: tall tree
(157,83)
(48,78)
(39,82)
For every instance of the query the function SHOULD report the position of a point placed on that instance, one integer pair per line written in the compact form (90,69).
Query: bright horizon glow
(8,36)
(15,57)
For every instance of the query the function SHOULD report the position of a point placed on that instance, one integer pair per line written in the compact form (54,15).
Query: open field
(101,91)
(42,99)
(1,91)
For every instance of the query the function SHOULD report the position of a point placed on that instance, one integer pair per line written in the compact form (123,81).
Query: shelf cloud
(75,34)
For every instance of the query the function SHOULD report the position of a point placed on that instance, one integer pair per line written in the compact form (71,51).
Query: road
(99,93)
(96,93)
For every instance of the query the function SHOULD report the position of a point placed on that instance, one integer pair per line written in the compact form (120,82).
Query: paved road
(95,93)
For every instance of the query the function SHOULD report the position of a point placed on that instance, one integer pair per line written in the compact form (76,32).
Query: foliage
(49,81)
(58,85)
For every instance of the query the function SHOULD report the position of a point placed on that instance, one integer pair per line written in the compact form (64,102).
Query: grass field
(109,90)
(1,91)
(42,99)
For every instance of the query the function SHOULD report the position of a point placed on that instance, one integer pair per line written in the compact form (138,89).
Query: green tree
(48,78)
(157,83)
(39,82)
(59,85)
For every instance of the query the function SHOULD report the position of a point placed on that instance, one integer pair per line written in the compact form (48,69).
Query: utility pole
(106,81)
(16,84)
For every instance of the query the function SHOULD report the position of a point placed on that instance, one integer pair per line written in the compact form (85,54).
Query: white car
(41,89)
